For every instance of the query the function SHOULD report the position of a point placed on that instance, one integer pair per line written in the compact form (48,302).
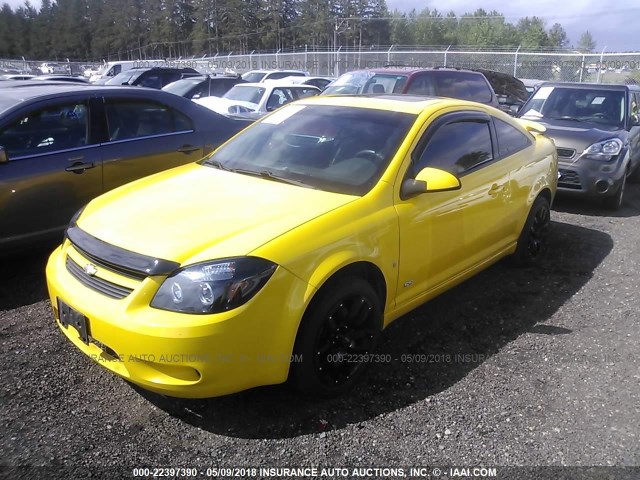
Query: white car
(258,76)
(53,68)
(320,82)
(253,100)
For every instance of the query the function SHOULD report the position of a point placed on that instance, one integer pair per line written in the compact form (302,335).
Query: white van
(111,69)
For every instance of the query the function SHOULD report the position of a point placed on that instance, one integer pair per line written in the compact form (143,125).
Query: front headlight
(603,150)
(213,287)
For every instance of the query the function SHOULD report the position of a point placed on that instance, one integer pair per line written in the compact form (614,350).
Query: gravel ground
(512,368)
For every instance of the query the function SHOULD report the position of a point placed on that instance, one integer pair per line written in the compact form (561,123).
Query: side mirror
(635,120)
(4,158)
(429,180)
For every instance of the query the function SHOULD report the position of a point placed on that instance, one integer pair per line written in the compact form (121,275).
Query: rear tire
(533,238)
(339,330)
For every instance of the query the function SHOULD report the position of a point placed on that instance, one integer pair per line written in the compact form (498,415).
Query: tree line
(133,29)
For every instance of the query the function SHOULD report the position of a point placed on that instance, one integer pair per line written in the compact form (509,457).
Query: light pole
(336,30)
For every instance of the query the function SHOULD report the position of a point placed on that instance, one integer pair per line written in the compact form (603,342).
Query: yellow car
(285,253)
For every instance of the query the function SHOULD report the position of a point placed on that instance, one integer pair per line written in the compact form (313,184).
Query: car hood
(577,135)
(196,213)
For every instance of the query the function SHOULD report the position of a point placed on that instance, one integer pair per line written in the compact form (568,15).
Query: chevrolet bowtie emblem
(90,269)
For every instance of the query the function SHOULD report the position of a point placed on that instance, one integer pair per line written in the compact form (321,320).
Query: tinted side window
(422,84)
(457,147)
(463,85)
(51,129)
(510,139)
(133,119)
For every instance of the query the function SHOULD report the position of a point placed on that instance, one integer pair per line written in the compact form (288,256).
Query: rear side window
(462,85)
(510,139)
(48,130)
(422,84)
(457,147)
(135,119)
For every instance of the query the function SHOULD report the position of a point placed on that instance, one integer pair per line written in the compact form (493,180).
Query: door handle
(79,167)
(187,149)
(495,189)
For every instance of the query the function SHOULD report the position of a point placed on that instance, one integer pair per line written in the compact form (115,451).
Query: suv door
(145,137)
(444,234)
(54,168)
(634,131)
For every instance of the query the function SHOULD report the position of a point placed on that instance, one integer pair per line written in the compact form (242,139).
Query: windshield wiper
(566,117)
(215,163)
(270,176)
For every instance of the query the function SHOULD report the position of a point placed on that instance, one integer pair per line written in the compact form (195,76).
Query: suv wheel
(614,202)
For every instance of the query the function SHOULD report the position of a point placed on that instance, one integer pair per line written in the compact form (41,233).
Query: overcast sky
(613,24)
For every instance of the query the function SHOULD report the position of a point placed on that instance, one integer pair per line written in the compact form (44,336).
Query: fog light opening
(602,186)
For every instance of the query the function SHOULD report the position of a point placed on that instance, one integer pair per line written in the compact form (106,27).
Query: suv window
(385,84)
(128,119)
(422,84)
(51,129)
(462,85)
(457,147)
(510,139)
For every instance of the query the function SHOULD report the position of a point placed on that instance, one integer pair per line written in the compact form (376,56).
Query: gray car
(596,128)
(62,145)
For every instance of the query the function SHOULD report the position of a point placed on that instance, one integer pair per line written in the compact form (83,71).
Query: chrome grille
(566,152)
(95,283)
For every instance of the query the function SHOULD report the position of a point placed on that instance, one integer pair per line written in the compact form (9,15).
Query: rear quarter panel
(537,171)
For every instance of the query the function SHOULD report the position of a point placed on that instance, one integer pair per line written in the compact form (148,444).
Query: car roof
(274,84)
(591,86)
(411,104)
(410,70)
(26,90)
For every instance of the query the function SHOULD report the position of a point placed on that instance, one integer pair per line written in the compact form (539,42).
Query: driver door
(445,234)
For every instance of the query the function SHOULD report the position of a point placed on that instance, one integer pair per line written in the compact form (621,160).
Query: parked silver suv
(596,128)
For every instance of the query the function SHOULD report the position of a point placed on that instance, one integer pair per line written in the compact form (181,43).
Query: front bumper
(176,354)
(593,178)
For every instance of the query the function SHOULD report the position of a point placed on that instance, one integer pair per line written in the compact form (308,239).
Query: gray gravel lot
(512,368)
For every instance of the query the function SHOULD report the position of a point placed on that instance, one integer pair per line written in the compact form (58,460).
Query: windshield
(181,87)
(103,69)
(240,93)
(366,82)
(604,107)
(338,149)
(253,77)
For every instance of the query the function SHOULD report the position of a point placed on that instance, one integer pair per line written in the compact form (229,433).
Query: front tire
(614,202)
(532,242)
(339,330)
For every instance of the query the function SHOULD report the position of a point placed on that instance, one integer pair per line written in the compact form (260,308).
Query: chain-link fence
(31,67)
(558,66)
(570,66)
